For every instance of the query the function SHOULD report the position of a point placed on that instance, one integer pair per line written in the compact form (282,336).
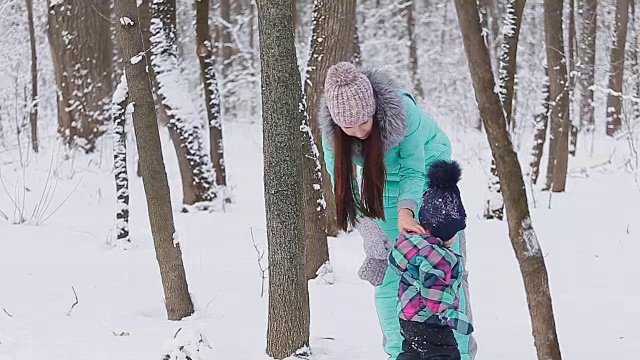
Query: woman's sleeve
(329,161)
(416,157)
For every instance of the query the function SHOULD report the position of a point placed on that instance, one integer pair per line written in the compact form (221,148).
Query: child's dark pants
(425,341)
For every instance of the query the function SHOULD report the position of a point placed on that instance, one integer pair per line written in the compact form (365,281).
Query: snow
(530,238)
(137,58)
(125,21)
(589,237)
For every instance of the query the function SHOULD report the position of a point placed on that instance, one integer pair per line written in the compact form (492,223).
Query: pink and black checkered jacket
(430,281)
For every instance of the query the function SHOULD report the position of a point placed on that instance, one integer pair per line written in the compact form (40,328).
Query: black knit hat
(442,212)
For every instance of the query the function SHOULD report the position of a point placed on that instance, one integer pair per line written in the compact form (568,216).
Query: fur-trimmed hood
(391,114)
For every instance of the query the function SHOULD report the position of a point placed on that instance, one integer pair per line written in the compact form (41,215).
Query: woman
(367,121)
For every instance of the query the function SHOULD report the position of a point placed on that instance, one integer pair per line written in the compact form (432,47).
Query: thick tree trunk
(283,114)
(185,125)
(587,62)
(413,52)
(204,51)
(540,133)
(33,108)
(332,41)
(523,237)
(154,178)
(334,25)
(507,67)
(616,74)
(81,50)
(559,93)
(118,114)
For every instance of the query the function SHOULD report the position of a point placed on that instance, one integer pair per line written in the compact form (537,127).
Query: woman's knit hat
(442,211)
(349,95)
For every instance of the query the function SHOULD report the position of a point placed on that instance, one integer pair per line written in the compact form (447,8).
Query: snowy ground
(590,236)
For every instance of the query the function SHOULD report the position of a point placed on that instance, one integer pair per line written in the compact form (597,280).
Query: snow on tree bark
(523,237)
(204,51)
(154,178)
(540,133)
(507,67)
(587,62)
(81,50)
(573,136)
(33,107)
(283,114)
(332,41)
(635,65)
(118,112)
(317,250)
(616,74)
(559,94)
(184,120)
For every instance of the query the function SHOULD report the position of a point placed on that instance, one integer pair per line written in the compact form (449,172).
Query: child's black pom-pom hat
(442,211)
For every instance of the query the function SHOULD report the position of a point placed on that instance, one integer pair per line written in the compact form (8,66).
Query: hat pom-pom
(341,74)
(444,174)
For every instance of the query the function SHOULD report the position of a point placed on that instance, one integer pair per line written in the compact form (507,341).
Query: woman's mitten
(376,244)
(372,270)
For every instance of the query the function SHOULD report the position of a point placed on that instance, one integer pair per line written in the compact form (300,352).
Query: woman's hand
(406,222)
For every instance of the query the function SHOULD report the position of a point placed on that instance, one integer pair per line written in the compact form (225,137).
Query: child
(431,273)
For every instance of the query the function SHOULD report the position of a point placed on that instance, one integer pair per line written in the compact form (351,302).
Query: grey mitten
(376,243)
(376,248)
(372,270)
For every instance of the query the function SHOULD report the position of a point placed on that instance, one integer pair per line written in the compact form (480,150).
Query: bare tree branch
(75,303)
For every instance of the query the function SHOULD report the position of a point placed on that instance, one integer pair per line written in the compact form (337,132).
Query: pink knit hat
(349,95)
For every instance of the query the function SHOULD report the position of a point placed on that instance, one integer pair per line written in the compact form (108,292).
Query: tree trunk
(33,107)
(81,50)
(491,22)
(494,205)
(225,37)
(540,132)
(635,66)
(118,114)
(332,40)
(507,67)
(413,52)
(508,57)
(587,61)
(154,178)
(573,136)
(185,125)
(334,25)
(282,104)
(523,237)
(211,94)
(357,52)
(616,75)
(559,93)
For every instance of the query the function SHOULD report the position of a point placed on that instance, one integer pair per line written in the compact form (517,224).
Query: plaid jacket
(430,281)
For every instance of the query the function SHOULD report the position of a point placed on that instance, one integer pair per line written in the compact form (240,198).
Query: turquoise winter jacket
(411,141)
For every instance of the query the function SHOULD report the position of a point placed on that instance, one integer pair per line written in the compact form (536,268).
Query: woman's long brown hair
(373,176)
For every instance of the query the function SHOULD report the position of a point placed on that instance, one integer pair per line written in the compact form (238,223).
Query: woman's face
(361,131)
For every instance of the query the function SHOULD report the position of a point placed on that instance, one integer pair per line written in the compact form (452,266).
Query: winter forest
(164,192)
